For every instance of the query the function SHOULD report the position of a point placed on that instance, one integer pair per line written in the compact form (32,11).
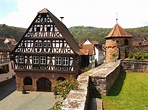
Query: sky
(96,13)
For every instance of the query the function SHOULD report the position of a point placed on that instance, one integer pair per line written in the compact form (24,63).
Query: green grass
(130,92)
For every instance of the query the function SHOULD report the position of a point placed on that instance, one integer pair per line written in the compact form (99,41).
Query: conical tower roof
(118,31)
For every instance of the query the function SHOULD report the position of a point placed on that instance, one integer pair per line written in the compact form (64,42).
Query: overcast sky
(96,13)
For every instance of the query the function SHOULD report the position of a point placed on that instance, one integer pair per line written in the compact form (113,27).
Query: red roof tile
(118,31)
(87,49)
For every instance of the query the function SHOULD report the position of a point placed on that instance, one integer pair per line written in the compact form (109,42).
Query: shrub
(113,55)
(130,55)
(85,69)
(138,56)
(57,106)
(64,87)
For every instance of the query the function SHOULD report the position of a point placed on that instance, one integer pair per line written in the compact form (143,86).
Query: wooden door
(43,84)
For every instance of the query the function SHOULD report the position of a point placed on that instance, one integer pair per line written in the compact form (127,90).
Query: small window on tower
(126,42)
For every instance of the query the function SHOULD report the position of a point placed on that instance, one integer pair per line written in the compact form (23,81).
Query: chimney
(62,19)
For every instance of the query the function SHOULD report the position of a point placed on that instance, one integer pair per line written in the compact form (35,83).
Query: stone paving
(30,101)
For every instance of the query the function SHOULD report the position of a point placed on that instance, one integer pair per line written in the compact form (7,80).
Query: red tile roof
(118,31)
(87,49)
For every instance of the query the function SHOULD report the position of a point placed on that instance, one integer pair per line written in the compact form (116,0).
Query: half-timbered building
(6,65)
(46,52)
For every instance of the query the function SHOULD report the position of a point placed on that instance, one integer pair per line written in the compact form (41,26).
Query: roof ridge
(45,10)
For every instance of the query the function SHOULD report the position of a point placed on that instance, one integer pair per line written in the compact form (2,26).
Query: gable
(87,42)
(45,30)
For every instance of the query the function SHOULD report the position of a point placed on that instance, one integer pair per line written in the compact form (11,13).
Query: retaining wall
(135,65)
(104,76)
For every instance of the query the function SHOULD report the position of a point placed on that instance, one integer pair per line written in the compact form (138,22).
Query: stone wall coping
(105,69)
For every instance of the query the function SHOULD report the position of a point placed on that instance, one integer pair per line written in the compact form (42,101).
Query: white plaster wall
(96,54)
(87,42)
(9,75)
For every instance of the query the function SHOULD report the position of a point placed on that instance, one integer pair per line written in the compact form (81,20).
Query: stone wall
(142,48)
(77,99)
(103,77)
(135,65)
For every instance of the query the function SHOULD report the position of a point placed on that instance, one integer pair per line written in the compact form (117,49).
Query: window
(20,59)
(65,61)
(37,29)
(58,61)
(48,29)
(126,42)
(5,55)
(36,44)
(42,60)
(35,60)
(40,44)
(12,65)
(46,43)
(43,15)
(4,69)
(27,81)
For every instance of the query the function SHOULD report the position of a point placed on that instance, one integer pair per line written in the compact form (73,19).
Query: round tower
(116,42)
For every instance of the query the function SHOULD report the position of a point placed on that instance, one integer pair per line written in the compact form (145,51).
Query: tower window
(125,42)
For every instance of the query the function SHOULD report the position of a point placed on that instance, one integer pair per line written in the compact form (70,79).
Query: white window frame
(58,61)
(20,59)
(35,59)
(65,61)
(42,59)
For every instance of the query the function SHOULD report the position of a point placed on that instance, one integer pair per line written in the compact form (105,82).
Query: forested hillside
(11,32)
(80,33)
